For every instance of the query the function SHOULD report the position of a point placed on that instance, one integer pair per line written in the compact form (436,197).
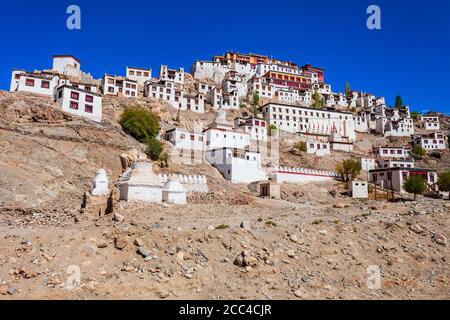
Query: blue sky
(410,55)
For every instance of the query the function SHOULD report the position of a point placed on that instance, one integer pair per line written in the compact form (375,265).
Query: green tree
(300,146)
(415,185)
(154,149)
(271,128)
(444,182)
(255,103)
(415,115)
(349,170)
(140,123)
(398,102)
(418,152)
(347,89)
(317,100)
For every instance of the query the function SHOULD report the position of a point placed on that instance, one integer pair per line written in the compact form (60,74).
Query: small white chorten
(174,192)
(100,184)
(140,183)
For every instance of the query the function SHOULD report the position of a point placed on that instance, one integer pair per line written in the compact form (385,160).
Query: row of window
(87,108)
(31,82)
(76,96)
(139,73)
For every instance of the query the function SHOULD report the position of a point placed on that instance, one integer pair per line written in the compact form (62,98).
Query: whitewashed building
(185,140)
(393,152)
(177,76)
(430,142)
(237,165)
(359,189)
(217,98)
(79,102)
(257,128)
(430,122)
(228,150)
(393,122)
(296,119)
(395,178)
(119,86)
(44,83)
(318,148)
(139,75)
(395,163)
(67,65)
(367,164)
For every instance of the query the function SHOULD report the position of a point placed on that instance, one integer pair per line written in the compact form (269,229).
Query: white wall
(64,99)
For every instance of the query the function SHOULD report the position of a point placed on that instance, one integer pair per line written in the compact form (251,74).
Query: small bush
(222,227)
(271,223)
(139,123)
(154,149)
(444,181)
(349,170)
(415,185)
(436,155)
(419,151)
(300,146)
(317,222)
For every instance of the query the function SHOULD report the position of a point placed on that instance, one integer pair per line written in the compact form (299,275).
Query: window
(89,98)
(139,74)
(45,84)
(131,73)
(74,105)
(17,76)
(146,74)
(74,95)
(110,81)
(89,109)
(111,89)
(60,93)
(29,83)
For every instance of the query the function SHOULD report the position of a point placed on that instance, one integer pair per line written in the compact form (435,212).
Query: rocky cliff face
(49,158)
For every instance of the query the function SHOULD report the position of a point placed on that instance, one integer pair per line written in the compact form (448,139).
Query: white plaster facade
(296,119)
(80,102)
(395,178)
(39,83)
(119,86)
(318,148)
(359,189)
(257,128)
(139,75)
(430,142)
(67,65)
(300,175)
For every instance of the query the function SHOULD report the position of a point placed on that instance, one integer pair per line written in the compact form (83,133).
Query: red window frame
(89,98)
(74,95)
(88,108)
(74,105)
(29,82)
(45,84)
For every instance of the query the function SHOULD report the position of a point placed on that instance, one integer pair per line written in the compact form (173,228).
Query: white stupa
(174,192)
(140,183)
(100,184)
